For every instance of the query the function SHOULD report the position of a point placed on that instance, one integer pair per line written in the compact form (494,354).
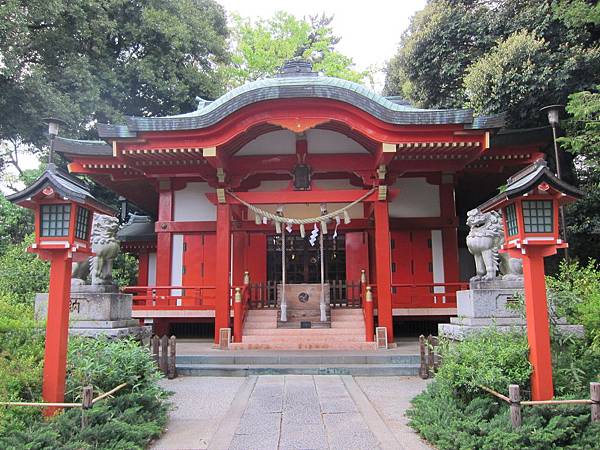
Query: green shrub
(22,274)
(452,413)
(491,359)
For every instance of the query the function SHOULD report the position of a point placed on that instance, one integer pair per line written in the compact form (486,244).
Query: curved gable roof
(302,84)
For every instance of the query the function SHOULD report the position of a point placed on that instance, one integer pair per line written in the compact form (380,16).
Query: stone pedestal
(486,305)
(304,306)
(97,310)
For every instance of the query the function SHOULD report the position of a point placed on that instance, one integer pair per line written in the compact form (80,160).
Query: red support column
(538,333)
(222,258)
(143,261)
(449,234)
(383,261)
(57,329)
(164,241)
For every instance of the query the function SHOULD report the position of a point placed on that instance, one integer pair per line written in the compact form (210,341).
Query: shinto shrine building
(383,189)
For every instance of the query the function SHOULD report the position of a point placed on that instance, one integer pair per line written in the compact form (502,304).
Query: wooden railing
(344,294)
(241,303)
(172,297)
(263,295)
(426,295)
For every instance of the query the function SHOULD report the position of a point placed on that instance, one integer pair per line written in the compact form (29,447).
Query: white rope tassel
(323,227)
(278,227)
(257,219)
(302,231)
(346,217)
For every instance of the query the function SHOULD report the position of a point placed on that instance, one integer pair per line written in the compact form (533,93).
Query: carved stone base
(486,305)
(97,310)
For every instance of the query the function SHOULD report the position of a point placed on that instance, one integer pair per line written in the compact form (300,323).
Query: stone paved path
(296,412)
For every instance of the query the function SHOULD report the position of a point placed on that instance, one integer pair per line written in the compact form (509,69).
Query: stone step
(303,332)
(318,358)
(301,344)
(240,370)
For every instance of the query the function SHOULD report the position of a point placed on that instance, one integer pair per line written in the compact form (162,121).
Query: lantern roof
(528,179)
(137,228)
(64,185)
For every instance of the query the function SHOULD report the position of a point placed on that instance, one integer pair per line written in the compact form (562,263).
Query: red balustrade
(426,295)
(163,298)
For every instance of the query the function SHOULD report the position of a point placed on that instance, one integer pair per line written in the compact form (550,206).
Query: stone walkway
(291,412)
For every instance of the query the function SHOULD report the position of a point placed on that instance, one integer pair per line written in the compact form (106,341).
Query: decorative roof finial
(296,67)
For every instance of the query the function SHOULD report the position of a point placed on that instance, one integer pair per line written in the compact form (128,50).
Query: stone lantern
(530,205)
(63,208)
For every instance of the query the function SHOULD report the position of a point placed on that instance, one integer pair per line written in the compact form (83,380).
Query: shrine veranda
(301,146)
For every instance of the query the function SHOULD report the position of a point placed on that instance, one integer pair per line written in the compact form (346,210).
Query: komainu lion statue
(105,246)
(484,242)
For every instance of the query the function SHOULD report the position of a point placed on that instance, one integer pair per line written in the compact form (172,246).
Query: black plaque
(305,324)
(302,177)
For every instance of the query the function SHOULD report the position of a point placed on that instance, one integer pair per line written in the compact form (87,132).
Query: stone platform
(487,304)
(97,310)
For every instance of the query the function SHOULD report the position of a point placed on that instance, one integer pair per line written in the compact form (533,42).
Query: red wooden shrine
(427,168)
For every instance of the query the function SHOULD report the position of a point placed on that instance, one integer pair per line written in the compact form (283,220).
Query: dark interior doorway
(303,261)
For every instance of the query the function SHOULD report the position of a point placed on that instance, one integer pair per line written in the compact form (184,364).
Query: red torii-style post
(530,207)
(63,210)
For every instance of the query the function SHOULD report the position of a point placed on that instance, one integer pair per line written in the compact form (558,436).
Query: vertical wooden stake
(164,353)
(430,354)
(595,396)
(172,357)
(423,373)
(86,403)
(155,342)
(515,405)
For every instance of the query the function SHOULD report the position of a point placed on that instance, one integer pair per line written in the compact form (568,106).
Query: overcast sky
(370,31)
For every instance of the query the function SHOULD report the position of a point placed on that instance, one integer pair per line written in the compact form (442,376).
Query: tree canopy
(261,47)
(483,54)
(96,60)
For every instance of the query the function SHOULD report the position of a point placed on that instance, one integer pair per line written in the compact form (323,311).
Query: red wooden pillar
(164,240)
(449,234)
(57,329)
(383,261)
(143,266)
(538,333)
(223,261)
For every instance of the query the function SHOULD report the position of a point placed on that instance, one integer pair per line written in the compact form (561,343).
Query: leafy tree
(451,40)
(261,48)
(512,76)
(94,60)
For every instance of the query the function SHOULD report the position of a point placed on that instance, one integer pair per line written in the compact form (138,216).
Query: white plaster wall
(177,263)
(152,269)
(416,198)
(326,141)
(192,205)
(281,142)
(437,255)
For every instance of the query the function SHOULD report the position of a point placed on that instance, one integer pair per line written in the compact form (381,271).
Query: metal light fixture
(553,112)
(54,125)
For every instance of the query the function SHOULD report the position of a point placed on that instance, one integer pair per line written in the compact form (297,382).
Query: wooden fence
(164,352)
(515,402)
(87,402)
(430,359)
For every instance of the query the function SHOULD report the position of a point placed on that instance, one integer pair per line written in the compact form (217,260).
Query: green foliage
(125,270)
(96,60)
(544,56)
(491,359)
(453,414)
(15,223)
(105,363)
(511,76)
(261,47)
(21,357)
(575,292)
(22,274)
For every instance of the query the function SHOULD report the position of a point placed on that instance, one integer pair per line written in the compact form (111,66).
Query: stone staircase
(347,332)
